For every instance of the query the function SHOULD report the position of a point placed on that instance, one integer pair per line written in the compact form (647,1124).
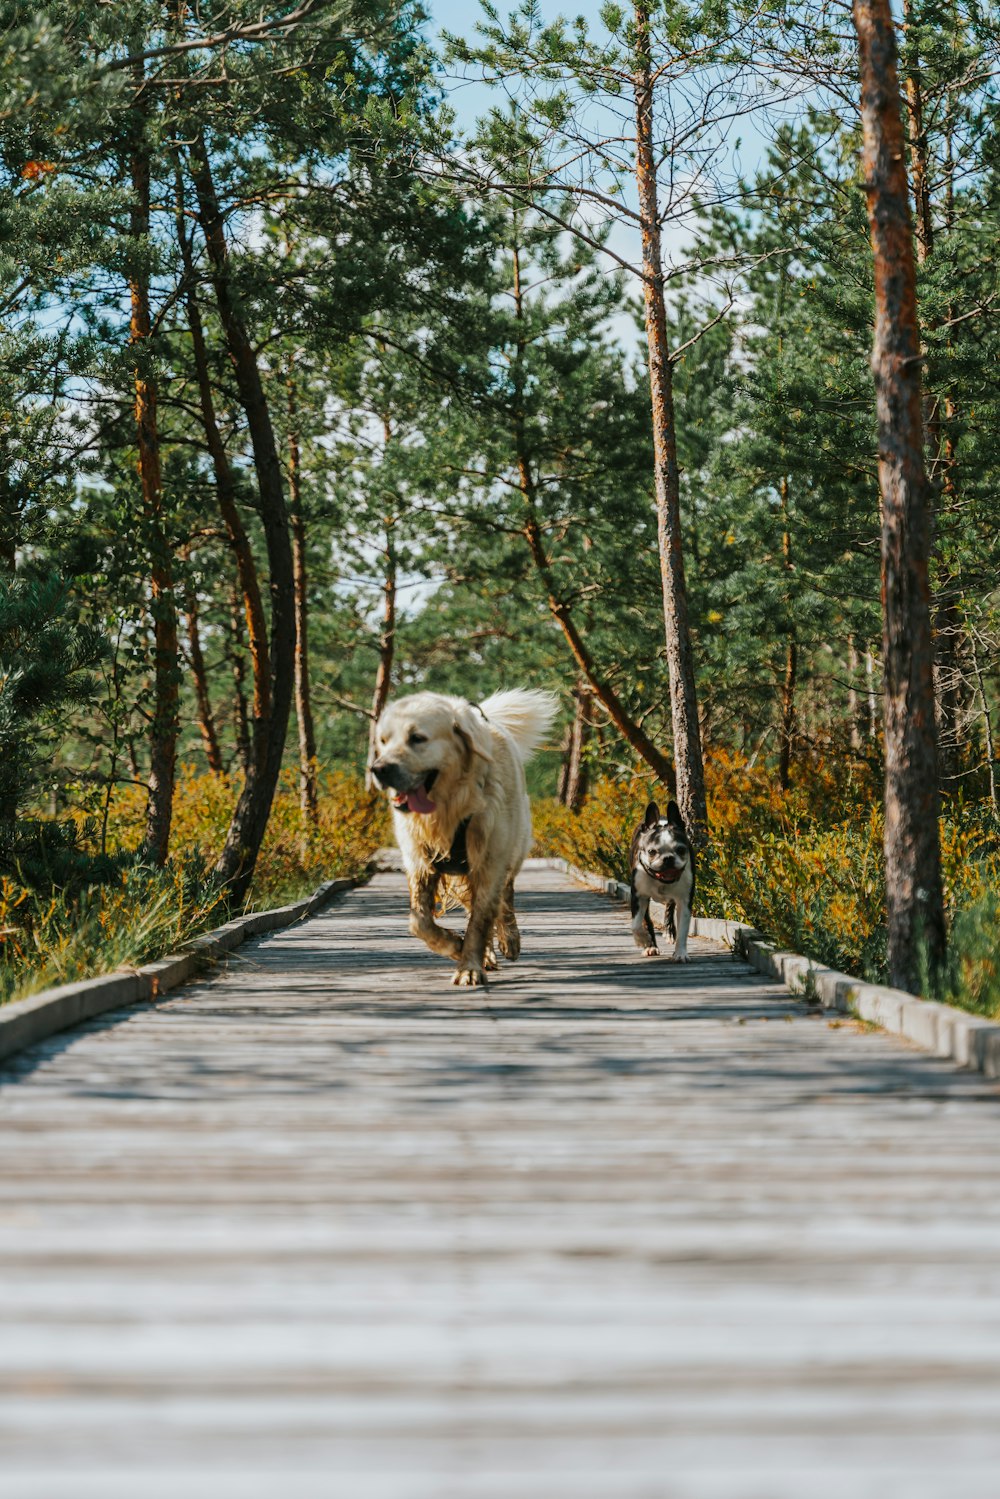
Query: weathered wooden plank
(613,1227)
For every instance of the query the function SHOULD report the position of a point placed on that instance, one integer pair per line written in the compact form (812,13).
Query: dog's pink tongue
(419,801)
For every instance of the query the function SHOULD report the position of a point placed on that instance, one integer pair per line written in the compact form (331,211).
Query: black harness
(456,860)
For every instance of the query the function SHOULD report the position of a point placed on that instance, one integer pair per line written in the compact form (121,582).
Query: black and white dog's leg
(643,931)
(682,916)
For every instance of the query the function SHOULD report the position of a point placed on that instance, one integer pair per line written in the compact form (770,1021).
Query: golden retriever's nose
(386,773)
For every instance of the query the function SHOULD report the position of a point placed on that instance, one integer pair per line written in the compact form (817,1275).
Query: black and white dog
(661,866)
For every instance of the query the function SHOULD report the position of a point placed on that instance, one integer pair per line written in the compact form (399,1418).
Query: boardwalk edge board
(945,1031)
(23,1022)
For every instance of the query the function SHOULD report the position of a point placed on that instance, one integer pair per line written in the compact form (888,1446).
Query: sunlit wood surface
(324,1225)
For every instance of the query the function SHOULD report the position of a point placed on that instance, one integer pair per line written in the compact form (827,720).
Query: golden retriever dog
(454,773)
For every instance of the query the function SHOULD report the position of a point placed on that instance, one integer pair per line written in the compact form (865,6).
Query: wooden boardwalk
(326,1226)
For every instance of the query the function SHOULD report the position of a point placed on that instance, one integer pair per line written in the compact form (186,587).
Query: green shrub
(973,972)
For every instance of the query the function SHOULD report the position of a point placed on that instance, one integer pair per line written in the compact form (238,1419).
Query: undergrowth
(805,867)
(107,910)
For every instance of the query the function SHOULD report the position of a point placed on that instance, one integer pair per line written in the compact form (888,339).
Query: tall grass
(117,912)
(806,868)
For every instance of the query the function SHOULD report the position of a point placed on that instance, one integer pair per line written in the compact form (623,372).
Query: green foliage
(972,977)
(46,662)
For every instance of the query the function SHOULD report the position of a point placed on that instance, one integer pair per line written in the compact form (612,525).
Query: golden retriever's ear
(474,732)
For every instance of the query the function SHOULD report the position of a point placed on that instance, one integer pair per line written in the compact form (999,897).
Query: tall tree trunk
(873,719)
(565,756)
(163,606)
(241,715)
(576,779)
(917,140)
(308,794)
(236,862)
(680,659)
(791,660)
(940,446)
(206,718)
(853,709)
(630,731)
(253,747)
(387,633)
(912,836)
(987,728)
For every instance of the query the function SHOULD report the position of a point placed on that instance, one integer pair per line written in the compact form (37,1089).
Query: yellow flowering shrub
(805,867)
(132,913)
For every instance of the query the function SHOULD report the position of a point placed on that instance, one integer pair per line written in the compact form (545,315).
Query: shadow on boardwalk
(613,1227)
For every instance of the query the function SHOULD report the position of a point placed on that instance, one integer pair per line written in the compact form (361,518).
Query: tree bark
(917,139)
(912,838)
(163,606)
(225,494)
(788,715)
(206,718)
(873,718)
(680,659)
(941,447)
(241,715)
(576,777)
(853,707)
(387,633)
(987,729)
(236,862)
(308,792)
(565,755)
(630,731)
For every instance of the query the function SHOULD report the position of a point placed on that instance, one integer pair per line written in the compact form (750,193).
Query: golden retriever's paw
(509,942)
(651,952)
(490,961)
(678,957)
(470,978)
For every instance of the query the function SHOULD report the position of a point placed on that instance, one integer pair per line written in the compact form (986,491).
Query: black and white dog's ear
(652,816)
(674,815)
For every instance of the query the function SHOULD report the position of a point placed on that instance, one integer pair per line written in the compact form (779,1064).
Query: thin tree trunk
(915,904)
(225,494)
(576,780)
(853,707)
(387,633)
(163,607)
(680,660)
(241,714)
(308,794)
(630,731)
(565,755)
(940,447)
(206,718)
(873,719)
(987,728)
(791,660)
(917,138)
(236,862)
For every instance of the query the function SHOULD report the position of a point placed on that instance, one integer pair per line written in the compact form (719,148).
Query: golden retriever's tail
(526,713)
